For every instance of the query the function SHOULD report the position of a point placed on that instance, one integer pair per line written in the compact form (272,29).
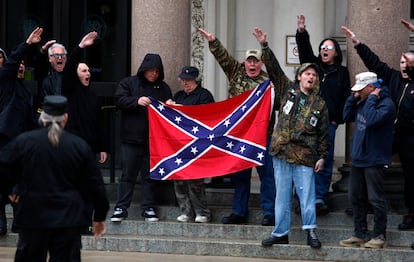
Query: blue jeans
(323,178)
(242,184)
(302,177)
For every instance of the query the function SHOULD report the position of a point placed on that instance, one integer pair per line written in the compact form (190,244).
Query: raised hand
(260,35)
(349,34)
(207,35)
(35,36)
(301,23)
(88,39)
(48,44)
(407,24)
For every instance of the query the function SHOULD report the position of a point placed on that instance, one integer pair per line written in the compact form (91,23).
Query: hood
(385,92)
(338,58)
(151,61)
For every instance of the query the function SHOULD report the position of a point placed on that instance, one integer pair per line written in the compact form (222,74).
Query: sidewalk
(7,255)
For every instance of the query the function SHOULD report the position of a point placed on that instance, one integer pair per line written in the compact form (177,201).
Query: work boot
(353,242)
(313,240)
(275,240)
(378,242)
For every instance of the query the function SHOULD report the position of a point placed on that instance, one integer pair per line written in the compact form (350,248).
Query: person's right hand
(408,25)
(348,33)
(35,36)
(301,23)
(144,101)
(207,35)
(98,228)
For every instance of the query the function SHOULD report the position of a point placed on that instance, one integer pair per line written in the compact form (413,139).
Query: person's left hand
(260,35)
(376,92)
(102,157)
(88,39)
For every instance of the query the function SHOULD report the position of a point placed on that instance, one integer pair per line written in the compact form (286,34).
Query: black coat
(55,182)
(15,98)
(334,79)
(85,114)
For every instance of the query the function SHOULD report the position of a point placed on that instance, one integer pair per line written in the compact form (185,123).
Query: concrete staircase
(216,239)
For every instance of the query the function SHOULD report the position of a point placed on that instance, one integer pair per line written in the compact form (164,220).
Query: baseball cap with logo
(363,79)
(255,53)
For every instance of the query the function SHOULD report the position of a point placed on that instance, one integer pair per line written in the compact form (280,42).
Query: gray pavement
(7,255)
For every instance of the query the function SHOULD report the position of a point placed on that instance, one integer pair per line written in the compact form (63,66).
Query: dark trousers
(62,244)
(135,160)
(366,187)
(404,146)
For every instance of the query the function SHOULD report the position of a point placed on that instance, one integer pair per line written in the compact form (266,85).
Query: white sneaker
(202,219)
(183,218)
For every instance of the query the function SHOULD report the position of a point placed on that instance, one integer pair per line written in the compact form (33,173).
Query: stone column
(377,24)
(162,27)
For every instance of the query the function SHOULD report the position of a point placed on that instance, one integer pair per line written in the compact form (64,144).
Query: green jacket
(301,135)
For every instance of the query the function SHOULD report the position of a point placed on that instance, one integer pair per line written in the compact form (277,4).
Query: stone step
(171,212)
(234,240)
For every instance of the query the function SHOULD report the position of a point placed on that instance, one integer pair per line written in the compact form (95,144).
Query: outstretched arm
(350,35)
(408,25)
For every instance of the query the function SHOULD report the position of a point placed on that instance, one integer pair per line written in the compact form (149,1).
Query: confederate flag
(190,142)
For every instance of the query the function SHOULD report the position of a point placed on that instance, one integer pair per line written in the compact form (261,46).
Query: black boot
(3,220)
(313,240)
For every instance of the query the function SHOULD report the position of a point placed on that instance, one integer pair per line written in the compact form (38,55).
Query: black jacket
(198,96)
(15,98)
(134,118)
(55,182)
(334,79)
(401,90)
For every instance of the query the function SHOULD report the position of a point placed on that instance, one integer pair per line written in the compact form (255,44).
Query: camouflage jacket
(235,71)
(239,81)
(301,135)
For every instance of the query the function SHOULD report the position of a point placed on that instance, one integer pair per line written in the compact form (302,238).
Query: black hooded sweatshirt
(134,118)
(334,79)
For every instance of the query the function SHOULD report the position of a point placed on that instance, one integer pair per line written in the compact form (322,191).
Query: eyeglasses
(327,47)
(61,56)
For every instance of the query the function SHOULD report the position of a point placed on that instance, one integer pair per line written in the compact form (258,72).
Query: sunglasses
(59,56)
(327,47)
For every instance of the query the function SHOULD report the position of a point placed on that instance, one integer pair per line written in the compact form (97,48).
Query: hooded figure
(132,98)
(134,126)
